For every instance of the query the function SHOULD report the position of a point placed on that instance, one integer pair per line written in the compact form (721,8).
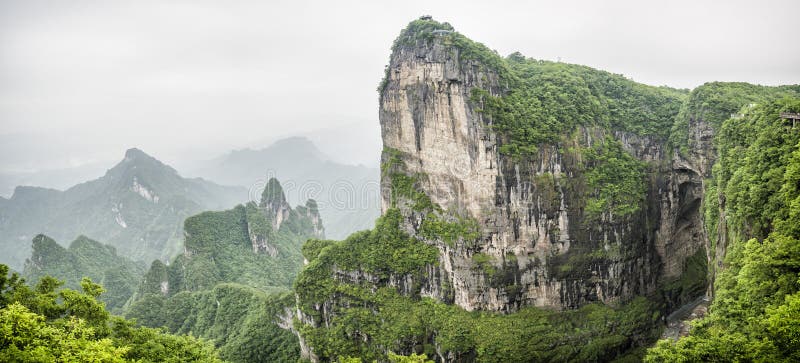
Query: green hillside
(753,204)
(233,280)
(85,258)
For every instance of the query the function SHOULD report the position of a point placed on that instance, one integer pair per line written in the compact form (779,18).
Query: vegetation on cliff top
(541,101)
(548,100)
(715,102)
(756,186)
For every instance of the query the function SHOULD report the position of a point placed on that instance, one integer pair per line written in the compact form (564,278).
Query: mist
(81,81)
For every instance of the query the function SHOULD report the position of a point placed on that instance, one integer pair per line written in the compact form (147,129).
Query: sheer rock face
(531,211)
(261,243)
(274,201)
(312,213)
(425,112)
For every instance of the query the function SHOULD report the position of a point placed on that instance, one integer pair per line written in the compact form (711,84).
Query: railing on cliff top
(789,116)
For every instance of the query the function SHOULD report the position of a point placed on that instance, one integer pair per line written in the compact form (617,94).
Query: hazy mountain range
(138,207)
(348,195)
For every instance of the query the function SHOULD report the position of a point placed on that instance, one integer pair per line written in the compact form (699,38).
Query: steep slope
(230,283)
(752,212)
(510,184)
(348,196)
(244,322)
(85,258)
(138,207)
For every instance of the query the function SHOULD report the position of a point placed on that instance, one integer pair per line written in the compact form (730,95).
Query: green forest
(47,323)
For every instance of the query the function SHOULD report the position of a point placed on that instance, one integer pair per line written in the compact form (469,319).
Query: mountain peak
(45,247)
(273,194)
(298,145)
(134,153)
(136,158)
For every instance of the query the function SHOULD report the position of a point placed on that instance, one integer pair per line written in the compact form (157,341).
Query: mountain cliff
(552,161)
(138,207)
(510,185)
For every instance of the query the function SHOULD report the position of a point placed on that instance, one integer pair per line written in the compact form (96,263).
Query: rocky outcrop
(531,211)
(145,193)
(274,201)
(261,244)
(312,213)
(265,221)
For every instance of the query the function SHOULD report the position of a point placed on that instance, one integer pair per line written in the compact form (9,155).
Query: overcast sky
(81,81)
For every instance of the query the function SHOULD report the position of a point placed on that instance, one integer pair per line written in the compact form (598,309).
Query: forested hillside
(231,285)
(85,258)
(752,212)
(47,323)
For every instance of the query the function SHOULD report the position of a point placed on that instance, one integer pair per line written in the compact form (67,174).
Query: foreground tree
(48,324)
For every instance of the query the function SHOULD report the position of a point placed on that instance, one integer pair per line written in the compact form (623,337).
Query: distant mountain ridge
(54,178)
(138,207)
(348,195)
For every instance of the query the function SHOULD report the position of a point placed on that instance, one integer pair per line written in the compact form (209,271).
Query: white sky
(81,81)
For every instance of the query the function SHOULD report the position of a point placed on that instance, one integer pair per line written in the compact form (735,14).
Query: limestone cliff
(531,210)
